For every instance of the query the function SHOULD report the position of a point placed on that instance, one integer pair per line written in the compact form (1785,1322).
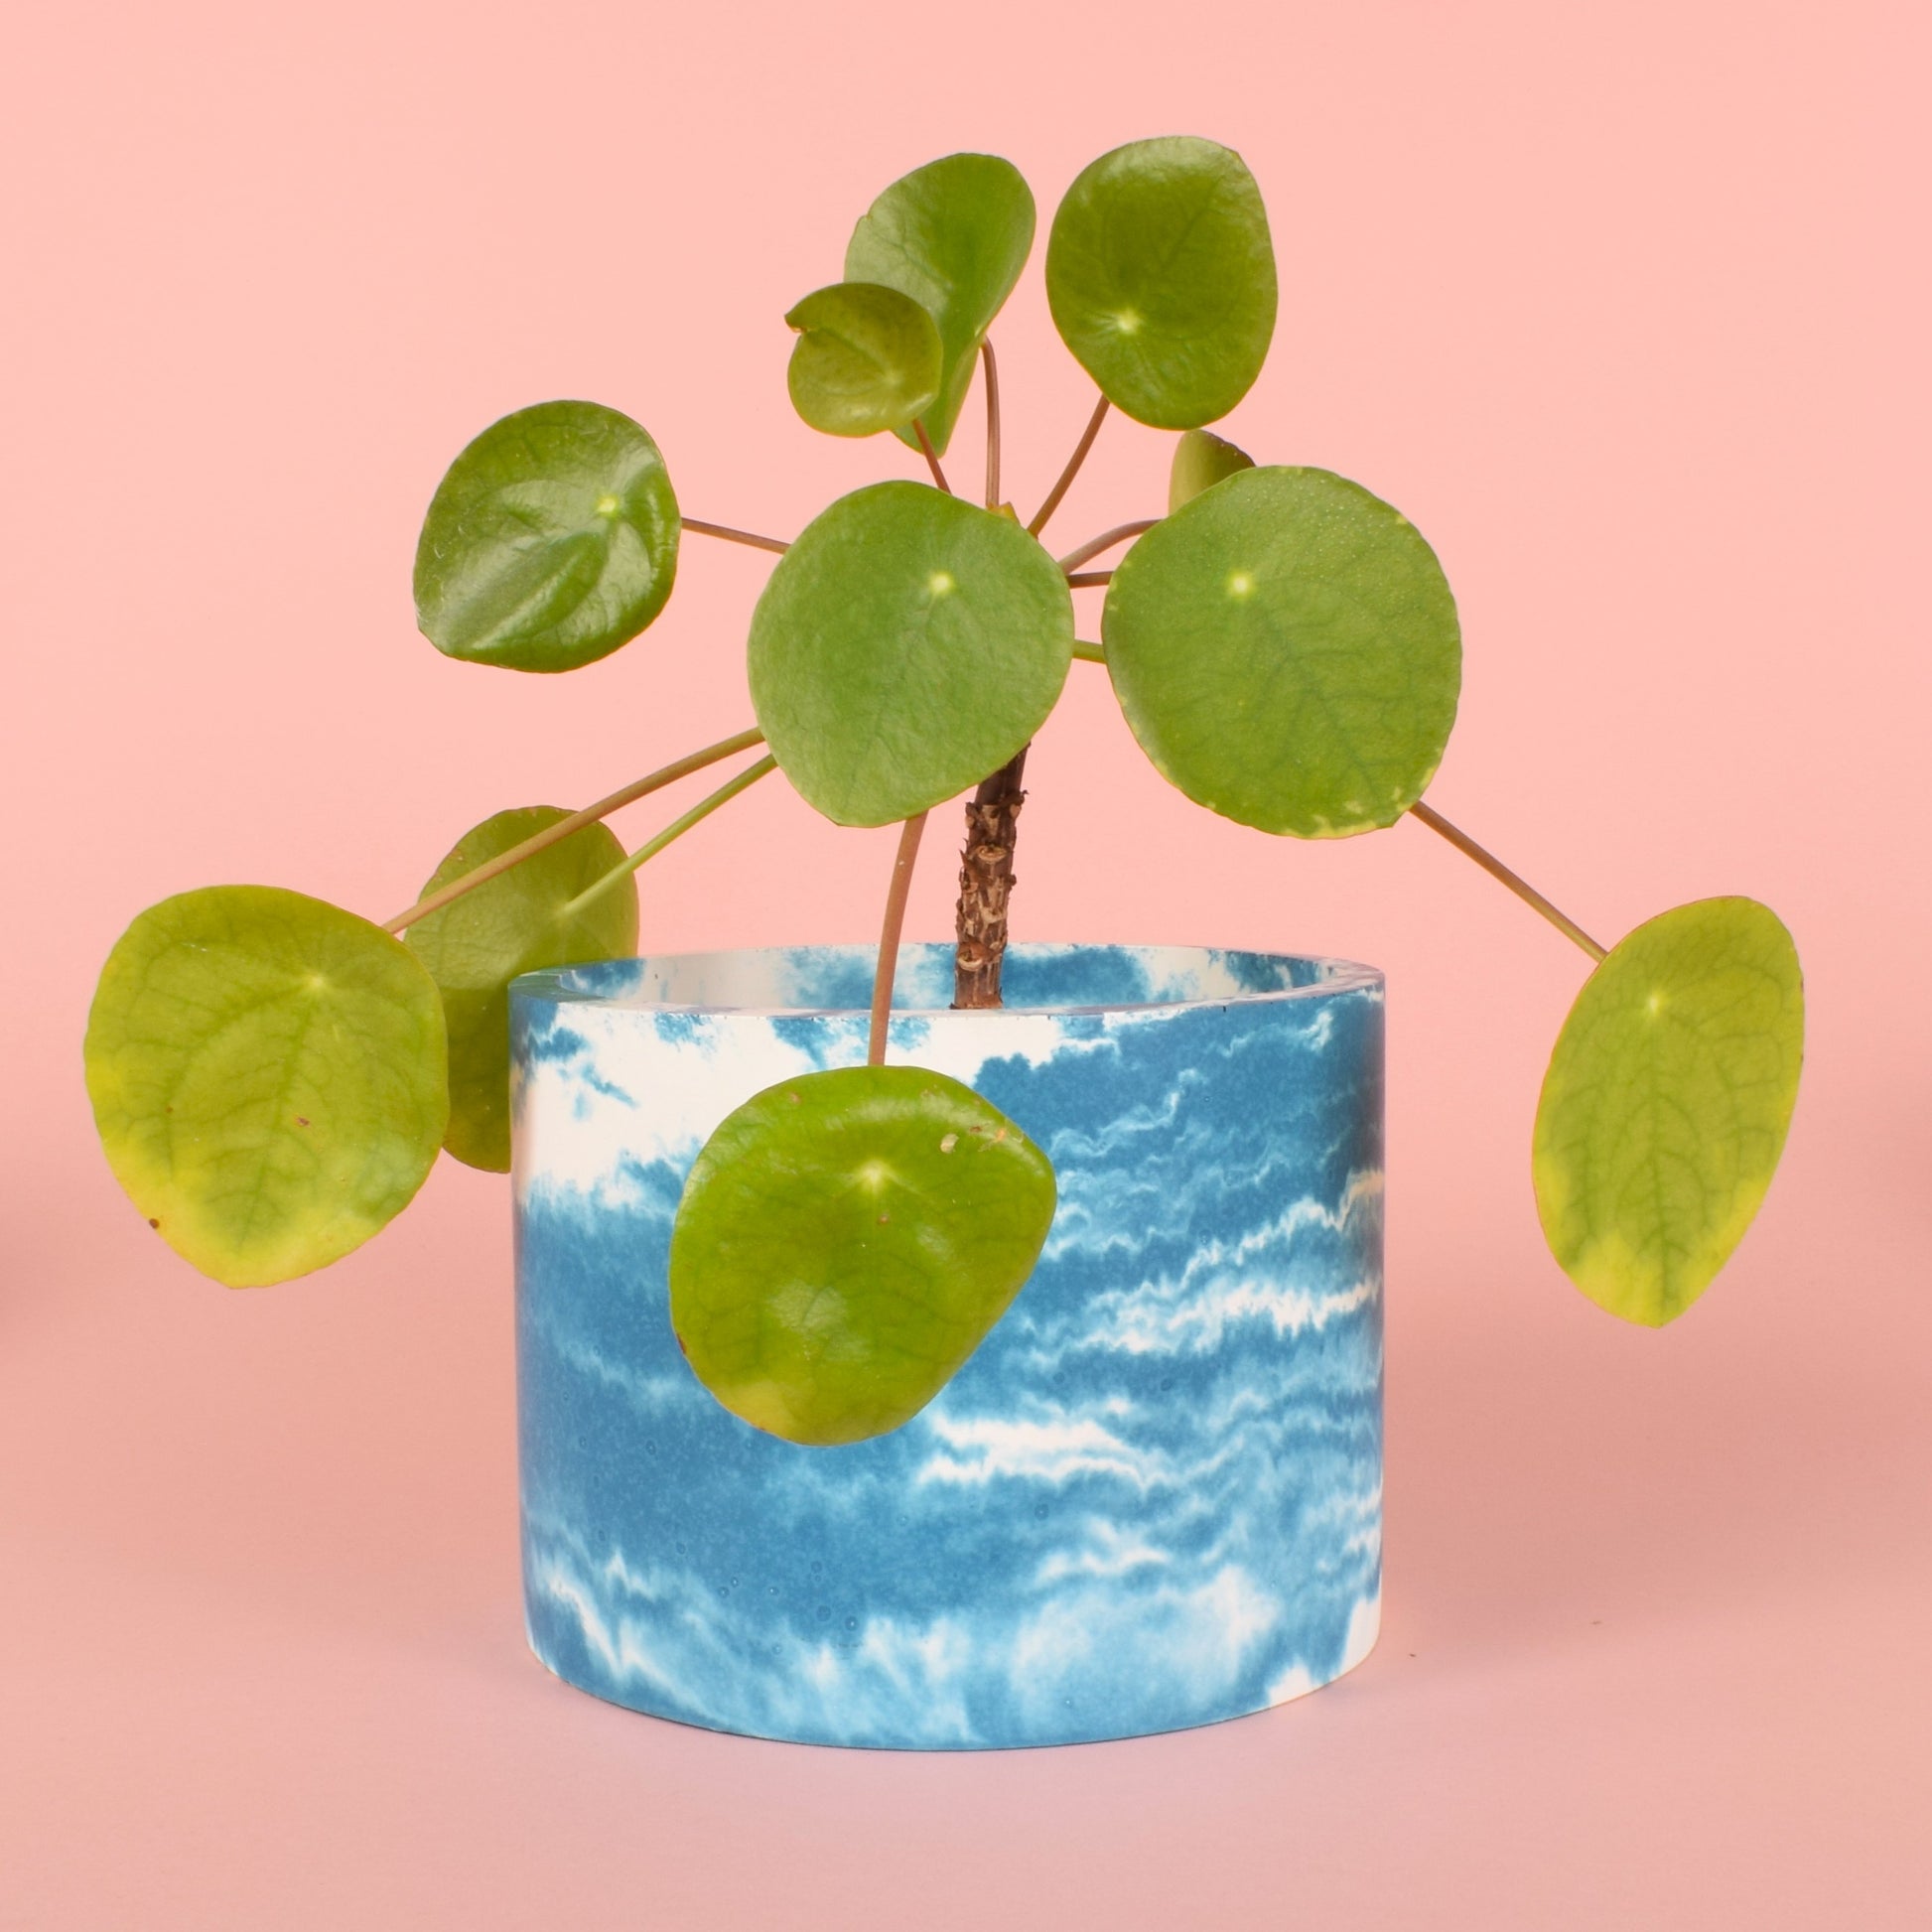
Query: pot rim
(576,985)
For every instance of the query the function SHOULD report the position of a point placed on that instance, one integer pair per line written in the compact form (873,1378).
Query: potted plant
(940,1345)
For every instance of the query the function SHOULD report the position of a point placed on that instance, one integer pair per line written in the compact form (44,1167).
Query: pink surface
(1625,307)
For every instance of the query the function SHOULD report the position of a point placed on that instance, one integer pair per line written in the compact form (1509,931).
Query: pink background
(1625,307)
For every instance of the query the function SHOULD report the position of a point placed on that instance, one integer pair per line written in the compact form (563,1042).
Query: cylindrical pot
(1150,1499)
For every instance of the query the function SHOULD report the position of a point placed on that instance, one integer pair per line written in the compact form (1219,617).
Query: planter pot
(1150,1499)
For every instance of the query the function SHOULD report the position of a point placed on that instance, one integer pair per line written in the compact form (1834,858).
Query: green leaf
(268,1079)
(844,1242)
(521,921)
(551,540)
(1200,460)
(906,644)
(1160,276)
(1286,650)
(954,236)
(866,358)
(1666,1105)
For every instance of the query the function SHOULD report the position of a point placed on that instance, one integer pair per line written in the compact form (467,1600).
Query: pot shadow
(1569,1479)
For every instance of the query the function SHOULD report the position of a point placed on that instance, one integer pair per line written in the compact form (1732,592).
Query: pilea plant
(273,1076)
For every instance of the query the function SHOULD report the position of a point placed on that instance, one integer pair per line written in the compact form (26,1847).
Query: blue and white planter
(1150,1499)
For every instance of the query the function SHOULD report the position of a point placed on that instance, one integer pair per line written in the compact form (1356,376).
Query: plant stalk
(1106,541)
(564,827)
(889,929)
(991,424)
(730,535)
(931,455)
(674,831)
(1071,471)
(1521,887)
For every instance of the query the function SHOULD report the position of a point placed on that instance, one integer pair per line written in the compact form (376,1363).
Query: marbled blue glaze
(1150,1499)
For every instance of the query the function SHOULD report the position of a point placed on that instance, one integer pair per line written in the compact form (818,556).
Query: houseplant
(272,1077)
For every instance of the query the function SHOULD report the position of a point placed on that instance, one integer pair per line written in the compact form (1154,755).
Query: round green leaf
(954,236)
(866,358)
(1286,650)
(844,1242)
(906,644)
(521,921)
(1200,460)
(1160,276)
(267,1075)
(1666,1105)
(551,540)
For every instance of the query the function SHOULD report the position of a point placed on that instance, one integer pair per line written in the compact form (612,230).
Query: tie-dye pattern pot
(1150,1499)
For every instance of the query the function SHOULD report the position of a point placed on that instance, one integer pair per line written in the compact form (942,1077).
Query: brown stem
(991,424)
(986,879)
(1495,868)
(889,929)
(1106,541)
(931,455)
(730,535)
(564,827)
(1071,471)
(1088,580)
(986,884)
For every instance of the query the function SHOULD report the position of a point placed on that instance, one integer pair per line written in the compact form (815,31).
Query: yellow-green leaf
(845,1241)
(1286,650)
(1666,1105)
(866,358)
(551,540)
(1160,276)
(268,1078)
(954,236)
(906,644)
(532,917)
(1200,460)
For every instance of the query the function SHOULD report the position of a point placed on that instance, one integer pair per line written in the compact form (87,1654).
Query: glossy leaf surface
(1286,650)
(1161,275)
(551,540)
(521,921)
(867,359)
(1666,1105)
(954,236)
(1200,460)
(268,1075)
(844,1242)
(906,644)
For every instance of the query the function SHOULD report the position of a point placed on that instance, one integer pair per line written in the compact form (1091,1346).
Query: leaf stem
(730,535)
(889,929)
(1071,471)
(1088,654)
(1088,580)
(564,827)
(931,455)
(1495,868)
(674,831)
(991,424)
(1106,541)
